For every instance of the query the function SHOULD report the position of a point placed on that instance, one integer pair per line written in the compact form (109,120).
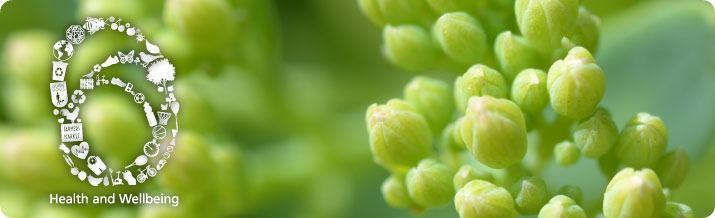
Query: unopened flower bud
(405,11)
(433,99)
(576,84)
(480,198)
(596,134)
(467,173)
(430,183)
(677,210)
(566,153)
(494,131)
(530,195)
(514,54)
(587,29)
(479,80)
(529,90)
(446,6)
(395,193)
(642,141)
(208,23)
(544,22)
(634,194)
(461,37)
(371,9)
(673,167)
(561,206)
(409,47)
(573,192)
(399,136)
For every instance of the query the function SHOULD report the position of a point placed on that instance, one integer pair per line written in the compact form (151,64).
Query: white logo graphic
(2,2)
(159,72)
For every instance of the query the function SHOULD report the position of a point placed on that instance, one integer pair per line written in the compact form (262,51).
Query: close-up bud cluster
(527,94)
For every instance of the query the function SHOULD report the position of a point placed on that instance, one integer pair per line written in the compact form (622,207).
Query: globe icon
(62,50)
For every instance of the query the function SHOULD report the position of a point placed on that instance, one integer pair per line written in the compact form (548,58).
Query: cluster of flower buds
(540,65)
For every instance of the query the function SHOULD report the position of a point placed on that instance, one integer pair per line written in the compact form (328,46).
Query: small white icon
(111,60)
(151,171)
(151,48)
(58,93)
(64,148)
(62,50)
(94,181)
(712,2)
(139,161)
(148,58)
(141,177)
(86,83)
(139,98)
(159,132)
(115,180)
(75,34)
(129,178)
(163,117)
(149,114)
(96,164)
(58,70)
(71,132)
(94,24)
(80,151)
(71,116)
(82,175)
(126,58)
(100,81)
(161,164)
(151,148)
(129,88)
(118,82)
(78,97)
(160,72)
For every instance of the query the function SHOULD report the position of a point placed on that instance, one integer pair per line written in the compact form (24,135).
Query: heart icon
(81,150)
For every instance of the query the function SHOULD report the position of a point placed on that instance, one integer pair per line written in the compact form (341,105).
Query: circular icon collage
(159,72)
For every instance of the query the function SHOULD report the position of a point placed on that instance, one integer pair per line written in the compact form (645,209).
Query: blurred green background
(273,98)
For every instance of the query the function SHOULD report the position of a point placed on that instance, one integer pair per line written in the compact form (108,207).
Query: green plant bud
(191,170)
(529,91)
(433,99)
(634,193)
(561,206)
(595,135)
(230,187)
(494,131)
(461,37)
(130,10)
(30,159)
(399,136)
(587,29)
(451,139)
(446,6)
(673,167)
(514,54)
(479,80)
(25,104)
(371,9)
(398,11)
(395,193)
(480,198)
(576,84)
(566,153)
(430,183)
(409,47)
(117,127)
(206,23)
(26,58)
(467,173)
(677,210)
(544,22)
(573,192)
(642,141)
(530,195)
